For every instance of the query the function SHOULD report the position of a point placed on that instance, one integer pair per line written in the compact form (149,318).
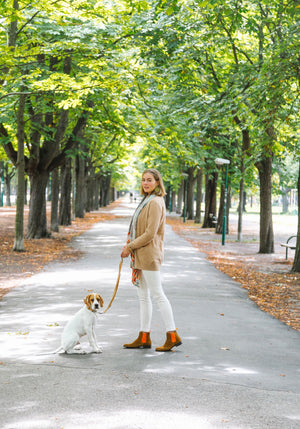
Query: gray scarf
(134,219)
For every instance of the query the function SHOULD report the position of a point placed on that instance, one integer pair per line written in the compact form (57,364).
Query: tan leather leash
(116,287)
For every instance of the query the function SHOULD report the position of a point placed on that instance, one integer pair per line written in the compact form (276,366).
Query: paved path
(237,368)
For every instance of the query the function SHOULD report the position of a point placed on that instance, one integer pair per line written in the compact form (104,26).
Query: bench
(213,218)
(289,245)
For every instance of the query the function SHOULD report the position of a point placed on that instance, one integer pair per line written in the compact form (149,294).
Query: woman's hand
(125,252)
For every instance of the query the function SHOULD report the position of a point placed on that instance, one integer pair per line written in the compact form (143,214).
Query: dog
(82,323)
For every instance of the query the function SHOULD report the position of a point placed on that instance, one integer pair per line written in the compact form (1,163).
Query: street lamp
(222,161)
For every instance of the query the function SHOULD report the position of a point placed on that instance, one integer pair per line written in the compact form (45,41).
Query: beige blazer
(148,246)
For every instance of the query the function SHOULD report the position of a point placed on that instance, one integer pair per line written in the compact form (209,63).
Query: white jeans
(151,286)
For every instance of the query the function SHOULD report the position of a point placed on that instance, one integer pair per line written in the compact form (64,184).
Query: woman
(145,245)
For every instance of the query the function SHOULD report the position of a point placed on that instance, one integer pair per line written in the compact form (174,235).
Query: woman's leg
(152,282)
(145,306)
(143,341)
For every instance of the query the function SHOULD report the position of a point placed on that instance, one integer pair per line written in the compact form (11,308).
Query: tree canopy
(173,84)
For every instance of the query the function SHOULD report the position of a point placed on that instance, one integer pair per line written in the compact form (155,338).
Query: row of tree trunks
(88,195)
(211,220)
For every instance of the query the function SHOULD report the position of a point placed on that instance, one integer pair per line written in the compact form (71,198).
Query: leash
(116,287)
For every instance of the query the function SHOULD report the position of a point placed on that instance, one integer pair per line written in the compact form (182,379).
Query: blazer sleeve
(154,219)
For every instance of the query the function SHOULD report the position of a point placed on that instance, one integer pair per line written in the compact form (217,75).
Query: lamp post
(222,161)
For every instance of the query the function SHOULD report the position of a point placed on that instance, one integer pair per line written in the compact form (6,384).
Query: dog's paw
(78,347)
(98,350)
(76,352)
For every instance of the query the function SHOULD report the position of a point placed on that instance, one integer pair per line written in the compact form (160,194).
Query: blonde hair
(160,189)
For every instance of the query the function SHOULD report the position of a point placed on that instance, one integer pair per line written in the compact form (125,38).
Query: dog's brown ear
(87,300)
(99,297)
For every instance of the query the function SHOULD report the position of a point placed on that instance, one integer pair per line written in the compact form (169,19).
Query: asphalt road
(237,367)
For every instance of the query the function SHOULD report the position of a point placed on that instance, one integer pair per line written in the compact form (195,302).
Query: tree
(229,60)
(19,229)
(296,264)
(59,77)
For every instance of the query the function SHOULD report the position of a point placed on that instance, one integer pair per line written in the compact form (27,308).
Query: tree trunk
(296,263)
(199,196)
(190,193)
(210,201)
(2,184)
(54,200)
(168,197)
(173,202)
(73,188)
(219,224)
(19,225)
(80,198)
(65,198)
(89,194)
(285,201)
(96,193)
(240,210)
(266,234)
(241,207)
(37,221)
(7,179)
(25,191)
(180,198)
(104,191)
(107,190)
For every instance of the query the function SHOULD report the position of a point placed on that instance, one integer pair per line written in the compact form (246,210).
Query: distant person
(131,195)
(145,245)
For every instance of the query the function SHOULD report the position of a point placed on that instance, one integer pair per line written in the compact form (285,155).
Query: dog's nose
(96,305)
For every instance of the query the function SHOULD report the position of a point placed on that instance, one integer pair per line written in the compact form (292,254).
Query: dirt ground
(266,277)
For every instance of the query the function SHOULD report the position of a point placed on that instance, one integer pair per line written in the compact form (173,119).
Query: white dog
(83,323)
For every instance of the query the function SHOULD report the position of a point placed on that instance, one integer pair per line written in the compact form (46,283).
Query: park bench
(289,245)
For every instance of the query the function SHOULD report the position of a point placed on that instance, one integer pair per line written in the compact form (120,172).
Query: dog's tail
(60,349)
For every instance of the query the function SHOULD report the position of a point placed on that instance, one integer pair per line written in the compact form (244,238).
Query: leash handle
(116,287)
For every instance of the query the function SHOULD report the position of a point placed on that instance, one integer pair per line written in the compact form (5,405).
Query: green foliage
(179,80)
